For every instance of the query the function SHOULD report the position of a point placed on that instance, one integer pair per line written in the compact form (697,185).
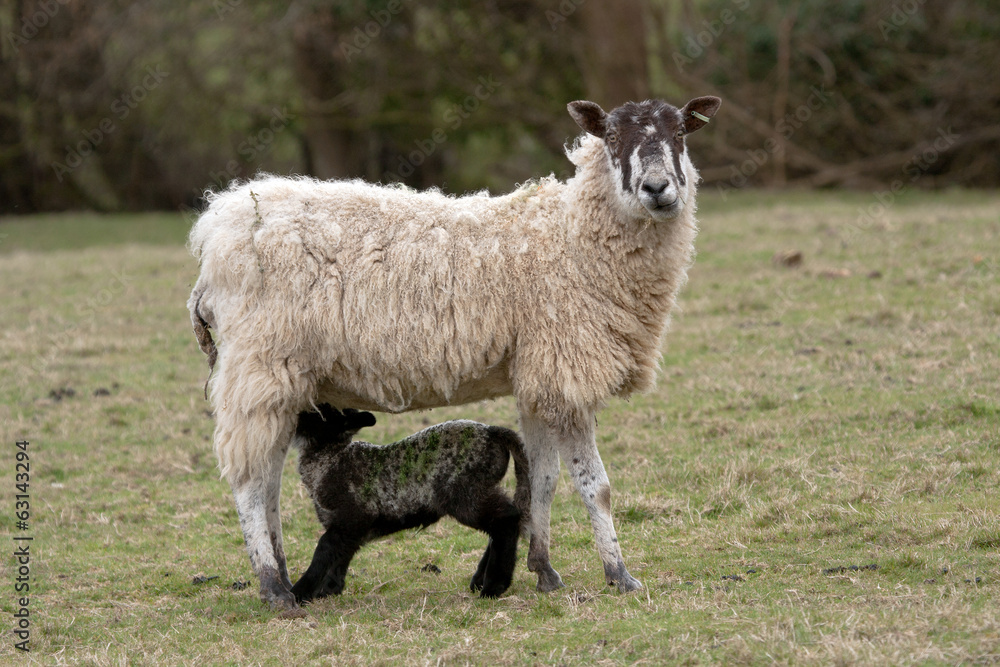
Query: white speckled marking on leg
(579,452)
(251,505)
(273,502)
(543,463)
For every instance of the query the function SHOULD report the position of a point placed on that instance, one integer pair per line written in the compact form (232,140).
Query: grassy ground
(814,480)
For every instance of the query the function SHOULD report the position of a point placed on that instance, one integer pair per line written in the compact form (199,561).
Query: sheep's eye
(680,134)
(612,137)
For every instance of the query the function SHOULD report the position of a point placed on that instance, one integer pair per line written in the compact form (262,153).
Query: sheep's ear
(698,111)
(590,117)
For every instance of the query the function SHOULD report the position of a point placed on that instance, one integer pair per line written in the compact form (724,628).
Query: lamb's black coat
(363,491)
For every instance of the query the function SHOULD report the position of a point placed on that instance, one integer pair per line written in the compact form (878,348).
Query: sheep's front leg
(543,463)
(578,450)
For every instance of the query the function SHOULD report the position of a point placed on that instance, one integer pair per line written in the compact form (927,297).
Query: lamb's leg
(495,514)
(499,572)
(480,575)
(543,462)
(328,568)
(579,452)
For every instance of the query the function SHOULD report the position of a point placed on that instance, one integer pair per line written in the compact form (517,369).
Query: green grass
(803,424)
(73,231)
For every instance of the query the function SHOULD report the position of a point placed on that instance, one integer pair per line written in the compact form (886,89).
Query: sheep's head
(329,426)
(644,143)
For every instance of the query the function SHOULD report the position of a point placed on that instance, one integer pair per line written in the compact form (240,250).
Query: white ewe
(382,298)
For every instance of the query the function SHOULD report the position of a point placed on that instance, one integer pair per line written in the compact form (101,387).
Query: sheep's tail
(522,492)
(201,331)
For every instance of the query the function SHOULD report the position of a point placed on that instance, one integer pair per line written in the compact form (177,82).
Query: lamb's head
(328,427)
(644,145)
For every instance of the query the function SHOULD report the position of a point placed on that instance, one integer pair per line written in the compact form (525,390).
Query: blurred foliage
(850,92)
(121,105)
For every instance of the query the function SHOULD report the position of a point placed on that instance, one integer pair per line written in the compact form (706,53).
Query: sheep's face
(644,143)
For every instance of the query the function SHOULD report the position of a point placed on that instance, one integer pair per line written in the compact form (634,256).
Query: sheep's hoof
(549,580)
(274,593)
(283,603)
(619,576)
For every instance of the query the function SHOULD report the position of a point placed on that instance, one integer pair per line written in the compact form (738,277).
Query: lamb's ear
(590,117)
(697,112)
(358,419)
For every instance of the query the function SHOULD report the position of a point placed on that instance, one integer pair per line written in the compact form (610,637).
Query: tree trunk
(613,51)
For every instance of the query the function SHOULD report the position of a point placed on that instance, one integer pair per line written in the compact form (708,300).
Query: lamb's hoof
(492,588)
(493,591)
(549,580)
(301,597)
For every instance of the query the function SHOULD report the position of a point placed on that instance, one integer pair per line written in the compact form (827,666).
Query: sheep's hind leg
(251,445)
(579,452)
(263,547)
(274,513)
(543,464)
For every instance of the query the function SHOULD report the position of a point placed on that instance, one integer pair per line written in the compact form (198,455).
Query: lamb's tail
(522,492)
(201,330)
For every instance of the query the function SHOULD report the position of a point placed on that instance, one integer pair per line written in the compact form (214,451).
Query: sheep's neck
(639,263)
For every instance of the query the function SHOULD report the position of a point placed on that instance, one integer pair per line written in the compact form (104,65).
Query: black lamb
(363,491)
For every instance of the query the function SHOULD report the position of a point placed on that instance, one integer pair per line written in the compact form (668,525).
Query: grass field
(814,480)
